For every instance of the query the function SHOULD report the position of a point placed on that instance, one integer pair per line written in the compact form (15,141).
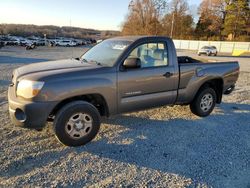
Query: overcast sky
(96,14)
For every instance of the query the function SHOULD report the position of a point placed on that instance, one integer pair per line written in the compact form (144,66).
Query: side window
(151,54)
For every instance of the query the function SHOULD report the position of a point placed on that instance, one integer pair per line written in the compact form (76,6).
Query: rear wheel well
(217,85)
(95,99)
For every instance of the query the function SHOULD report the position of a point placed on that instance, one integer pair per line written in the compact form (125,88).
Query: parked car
(40,42)
(66,43)
(208,50)
(84,42)
(2,44)
(98,41)
(115,76)
(93,41)
(4,40)
(12,41)
(88,41)
(35,40)
(25,42)
(77,41)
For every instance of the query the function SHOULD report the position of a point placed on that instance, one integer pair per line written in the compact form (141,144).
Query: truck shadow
(206,150)
(238,57)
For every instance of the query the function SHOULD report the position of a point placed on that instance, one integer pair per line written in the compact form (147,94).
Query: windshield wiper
(96,62)
(84,60)
(90,61)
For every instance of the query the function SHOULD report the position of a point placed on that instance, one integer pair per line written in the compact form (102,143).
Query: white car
(208,50)
(66,43)
(25,42)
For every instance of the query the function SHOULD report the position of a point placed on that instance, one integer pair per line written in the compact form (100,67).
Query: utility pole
(172,26)
(45,39)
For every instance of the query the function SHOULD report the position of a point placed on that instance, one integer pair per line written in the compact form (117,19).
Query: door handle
(168,74)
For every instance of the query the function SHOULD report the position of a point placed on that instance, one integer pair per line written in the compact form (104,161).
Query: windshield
(106,52)
(205,47)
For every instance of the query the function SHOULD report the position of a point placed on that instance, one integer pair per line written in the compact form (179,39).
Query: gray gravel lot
(162,147)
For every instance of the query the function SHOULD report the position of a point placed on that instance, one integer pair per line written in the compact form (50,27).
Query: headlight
(29,89)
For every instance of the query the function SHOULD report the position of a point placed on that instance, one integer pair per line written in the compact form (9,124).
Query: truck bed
(194,72)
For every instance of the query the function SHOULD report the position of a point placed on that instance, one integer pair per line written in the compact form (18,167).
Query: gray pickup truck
(118,75)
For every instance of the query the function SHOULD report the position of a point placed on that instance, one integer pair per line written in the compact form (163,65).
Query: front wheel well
(217,85)
(95,99)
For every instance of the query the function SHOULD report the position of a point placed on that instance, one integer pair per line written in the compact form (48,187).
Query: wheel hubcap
(79,125)
(206,102)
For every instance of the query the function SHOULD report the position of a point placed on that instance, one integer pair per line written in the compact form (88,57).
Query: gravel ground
(162,147)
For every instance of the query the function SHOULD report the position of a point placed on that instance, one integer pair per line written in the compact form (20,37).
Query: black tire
(195,106)
(64,115)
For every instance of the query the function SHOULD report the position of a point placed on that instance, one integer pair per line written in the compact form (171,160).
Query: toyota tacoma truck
(118,75)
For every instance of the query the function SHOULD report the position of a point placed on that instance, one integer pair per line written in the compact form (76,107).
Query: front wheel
(204,102)
(77,123)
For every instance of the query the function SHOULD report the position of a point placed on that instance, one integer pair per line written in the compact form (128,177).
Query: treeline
(218,19)
(51,31)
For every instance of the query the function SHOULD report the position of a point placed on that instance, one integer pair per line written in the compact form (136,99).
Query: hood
(59,65)
(204,49)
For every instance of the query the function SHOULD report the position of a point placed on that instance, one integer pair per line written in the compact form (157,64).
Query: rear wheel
(204,102)
(77,123)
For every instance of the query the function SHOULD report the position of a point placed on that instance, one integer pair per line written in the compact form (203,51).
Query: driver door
(152,84)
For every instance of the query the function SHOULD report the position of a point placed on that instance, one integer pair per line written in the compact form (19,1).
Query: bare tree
(178,22)
(212,15)
(144,17)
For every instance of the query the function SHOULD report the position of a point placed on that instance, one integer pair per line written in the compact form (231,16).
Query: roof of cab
(136,37)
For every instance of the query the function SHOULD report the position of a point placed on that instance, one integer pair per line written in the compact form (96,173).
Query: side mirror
(132,63)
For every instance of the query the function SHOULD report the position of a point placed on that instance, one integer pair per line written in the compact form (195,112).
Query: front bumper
(203,52)
(28,114)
